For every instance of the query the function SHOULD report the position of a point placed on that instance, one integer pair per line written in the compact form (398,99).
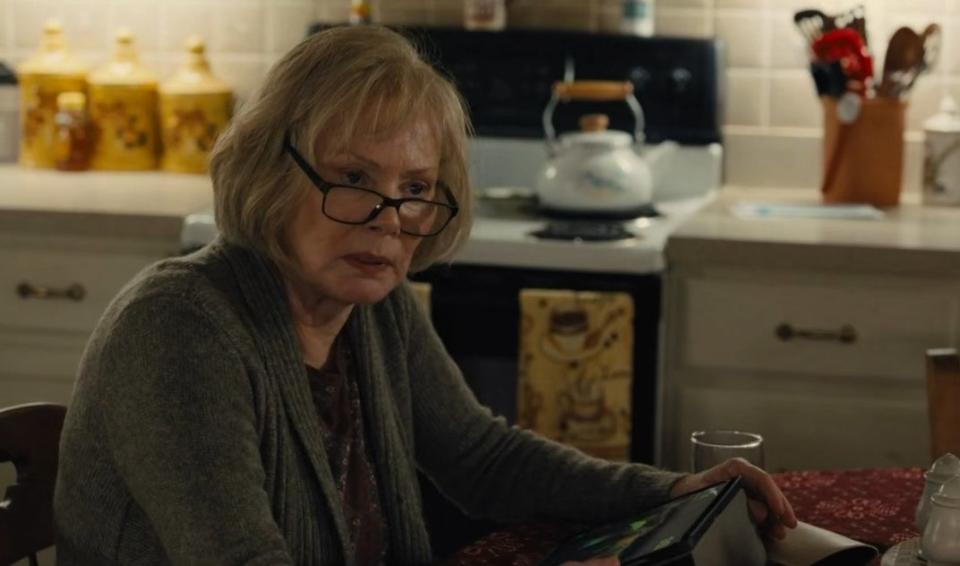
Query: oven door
(476,311)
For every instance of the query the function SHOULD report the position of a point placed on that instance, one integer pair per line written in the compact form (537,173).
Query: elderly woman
(270,398)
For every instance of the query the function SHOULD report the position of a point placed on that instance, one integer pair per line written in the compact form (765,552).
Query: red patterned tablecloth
(873,506)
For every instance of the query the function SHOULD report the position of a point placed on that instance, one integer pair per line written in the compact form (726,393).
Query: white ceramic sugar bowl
(946,467)
(941,536)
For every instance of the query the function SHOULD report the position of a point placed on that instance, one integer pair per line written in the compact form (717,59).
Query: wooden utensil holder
(863,160)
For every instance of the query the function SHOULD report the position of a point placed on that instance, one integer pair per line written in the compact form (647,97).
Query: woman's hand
(769,508)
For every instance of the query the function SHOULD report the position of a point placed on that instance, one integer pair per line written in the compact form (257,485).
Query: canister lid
(125,67)
(71,101)
(944,468)
(54,56)
(947,120)
(194,77)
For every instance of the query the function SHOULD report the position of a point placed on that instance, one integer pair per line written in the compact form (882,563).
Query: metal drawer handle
(845,335)
(74,292)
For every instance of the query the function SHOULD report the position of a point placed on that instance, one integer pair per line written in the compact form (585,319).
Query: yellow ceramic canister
(195,107)
(123,110)
(51,71)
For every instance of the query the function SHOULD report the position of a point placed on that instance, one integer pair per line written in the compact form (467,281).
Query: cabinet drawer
(773,326)
(41,355)
(99,275)
(815,431)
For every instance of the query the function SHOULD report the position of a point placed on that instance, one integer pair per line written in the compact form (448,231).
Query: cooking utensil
(812,24)
(846,46)
(904,52)
(932,40)
(829,78)
(856,19)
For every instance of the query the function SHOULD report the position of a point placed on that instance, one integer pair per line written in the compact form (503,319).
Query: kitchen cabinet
(68,244)
(810,332)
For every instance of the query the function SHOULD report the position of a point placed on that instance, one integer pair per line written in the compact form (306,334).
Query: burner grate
(585,230)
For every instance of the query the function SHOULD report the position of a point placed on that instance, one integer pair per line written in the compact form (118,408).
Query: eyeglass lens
(347,204)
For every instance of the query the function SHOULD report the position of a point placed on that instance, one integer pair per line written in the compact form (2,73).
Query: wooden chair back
(943,401)
(29,438)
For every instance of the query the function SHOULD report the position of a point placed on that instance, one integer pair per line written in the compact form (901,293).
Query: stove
(506,78)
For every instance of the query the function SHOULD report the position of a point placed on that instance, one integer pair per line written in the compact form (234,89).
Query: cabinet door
(844,329)
(38,366)
(44,328)
(96,277)
(815,430)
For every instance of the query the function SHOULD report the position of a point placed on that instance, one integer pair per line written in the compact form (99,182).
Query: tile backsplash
(772,116)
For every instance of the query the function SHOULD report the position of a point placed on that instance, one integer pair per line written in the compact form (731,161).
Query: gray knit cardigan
(192,437)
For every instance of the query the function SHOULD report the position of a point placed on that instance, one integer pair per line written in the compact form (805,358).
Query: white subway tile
(239,27)
(180,20)
(29,17)
(740,4)
(744,98)
(332,11)
(402,14)
(924,100)
(83,22)
(287,24)
(242,74)
(950,50)
(930,7)
(6,26)
(788,47)
(702,4)
(828,6)
(744,34)
(140,18)
(683,23)
(793,101)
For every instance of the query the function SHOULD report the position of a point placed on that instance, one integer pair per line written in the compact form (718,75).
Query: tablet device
(707,527)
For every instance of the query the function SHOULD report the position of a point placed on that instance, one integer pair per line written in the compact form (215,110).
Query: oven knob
(680,80)
(640,78)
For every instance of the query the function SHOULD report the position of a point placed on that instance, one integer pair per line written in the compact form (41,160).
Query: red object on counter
(846,45)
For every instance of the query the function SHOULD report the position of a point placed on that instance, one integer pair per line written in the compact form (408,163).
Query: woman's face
(361,264)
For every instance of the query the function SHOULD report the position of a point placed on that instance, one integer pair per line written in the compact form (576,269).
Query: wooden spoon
(931,39)
(904,52)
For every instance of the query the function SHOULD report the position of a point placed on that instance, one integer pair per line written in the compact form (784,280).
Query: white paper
(807,545)
(830,211)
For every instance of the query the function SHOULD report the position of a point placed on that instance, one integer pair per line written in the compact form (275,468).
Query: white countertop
(153,205)
(123,204)
(910,237)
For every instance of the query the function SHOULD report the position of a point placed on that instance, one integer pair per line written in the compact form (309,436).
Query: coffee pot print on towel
(576,368)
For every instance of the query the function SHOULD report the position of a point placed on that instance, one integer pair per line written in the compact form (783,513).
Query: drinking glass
(712,447)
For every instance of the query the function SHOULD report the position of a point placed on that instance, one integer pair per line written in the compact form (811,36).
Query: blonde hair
(343,82)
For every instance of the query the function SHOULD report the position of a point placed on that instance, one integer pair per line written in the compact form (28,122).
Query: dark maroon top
(337,400)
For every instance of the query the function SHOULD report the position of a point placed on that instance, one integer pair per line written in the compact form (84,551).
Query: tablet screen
(651,531)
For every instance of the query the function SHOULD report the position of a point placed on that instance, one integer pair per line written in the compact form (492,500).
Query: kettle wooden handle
(593,90)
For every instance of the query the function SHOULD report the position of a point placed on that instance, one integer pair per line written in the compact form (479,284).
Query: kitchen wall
(772,116)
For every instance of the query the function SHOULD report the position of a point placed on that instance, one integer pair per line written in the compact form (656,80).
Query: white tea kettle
(597,172)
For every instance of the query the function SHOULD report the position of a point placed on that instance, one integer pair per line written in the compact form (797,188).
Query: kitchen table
(875,506)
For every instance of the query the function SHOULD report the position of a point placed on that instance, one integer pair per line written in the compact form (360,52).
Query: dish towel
(576,368)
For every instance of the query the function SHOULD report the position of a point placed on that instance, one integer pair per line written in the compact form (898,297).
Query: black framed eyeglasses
(358,205)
